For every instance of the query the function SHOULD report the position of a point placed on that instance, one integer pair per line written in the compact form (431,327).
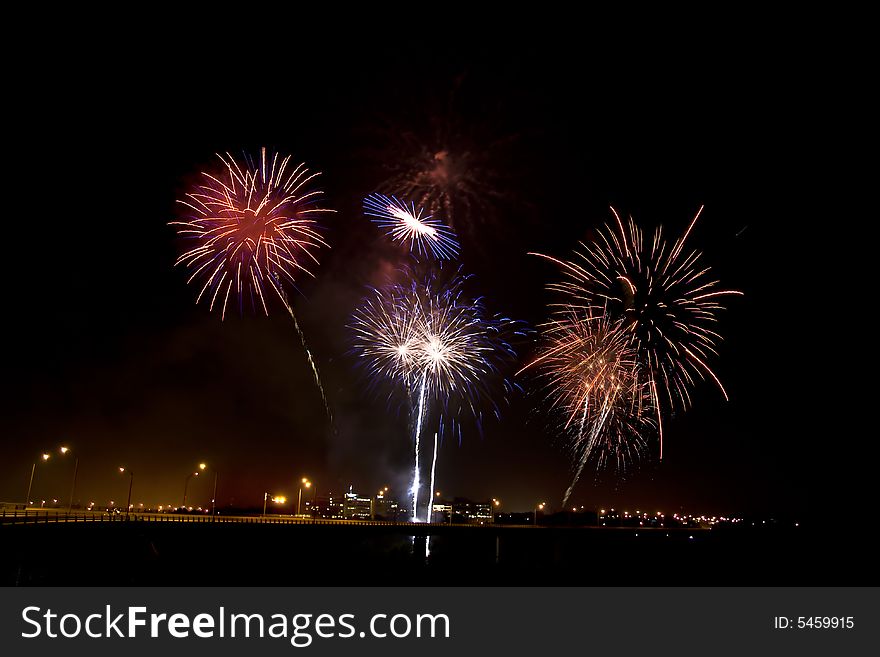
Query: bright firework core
(435,351)
(411,222)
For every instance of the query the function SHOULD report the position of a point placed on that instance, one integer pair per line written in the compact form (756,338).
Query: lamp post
(308,484)
(130,482)
(202,468)
(27,500)
(186,483)
(539,507)
(214,496)
(65,450)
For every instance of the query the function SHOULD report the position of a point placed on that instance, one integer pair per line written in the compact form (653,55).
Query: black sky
(107,351)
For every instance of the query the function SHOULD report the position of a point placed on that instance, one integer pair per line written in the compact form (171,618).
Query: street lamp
(130,482)
(214,497)
(65,451)
(539,507)
(186,483)
(277,499)
(308,484)
(27,500)
(202,467)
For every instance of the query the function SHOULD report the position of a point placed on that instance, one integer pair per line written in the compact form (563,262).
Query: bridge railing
(48,516)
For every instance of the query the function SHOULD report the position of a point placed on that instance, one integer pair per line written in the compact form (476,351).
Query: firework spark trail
(424,233)
(302,338)
(417,437)
(433,470)
(430,513)
(583,461)
(596,429)
(637,317)
(253,225)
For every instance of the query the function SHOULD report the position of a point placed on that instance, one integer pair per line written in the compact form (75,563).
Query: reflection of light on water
(415,551)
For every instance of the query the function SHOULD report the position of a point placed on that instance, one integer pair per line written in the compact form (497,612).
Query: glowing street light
(308,484)
(497,504)
(130,482)
(45,457)
(202,467)
(65,451)
(186,483)
(539,507)
(276,499)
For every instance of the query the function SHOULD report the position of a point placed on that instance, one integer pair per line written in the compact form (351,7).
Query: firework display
(421,231)
(634,329)
(439,346)
(636,313)
(253,228)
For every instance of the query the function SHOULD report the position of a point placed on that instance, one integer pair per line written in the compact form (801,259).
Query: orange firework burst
(254,226)
(658,305)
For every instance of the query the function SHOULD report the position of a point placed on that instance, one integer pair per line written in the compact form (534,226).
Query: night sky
(107,352)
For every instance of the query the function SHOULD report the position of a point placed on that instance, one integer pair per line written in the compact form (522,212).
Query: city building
(463,511)
(441,511)
(387,508)
(357,507)
(329,505)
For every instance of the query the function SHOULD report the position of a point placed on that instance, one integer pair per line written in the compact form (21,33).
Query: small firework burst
(424,233)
